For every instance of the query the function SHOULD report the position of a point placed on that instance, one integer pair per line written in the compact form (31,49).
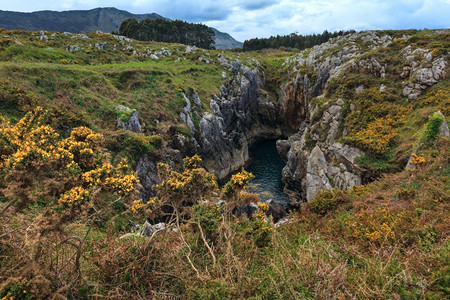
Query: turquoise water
(266,164)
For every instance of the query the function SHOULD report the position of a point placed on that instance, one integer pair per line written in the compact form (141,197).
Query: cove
(266,164)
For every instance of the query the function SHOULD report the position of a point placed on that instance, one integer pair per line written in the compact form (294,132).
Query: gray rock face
(72,48)
(306,173)
(331,119)
(418,73)
(242,114)
(276,210)
(149,229)
(132,124)
(148,177)
(283,148)
(316,176)
(246,210)
(443,130)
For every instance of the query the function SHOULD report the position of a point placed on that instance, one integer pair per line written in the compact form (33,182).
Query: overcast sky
(263,18)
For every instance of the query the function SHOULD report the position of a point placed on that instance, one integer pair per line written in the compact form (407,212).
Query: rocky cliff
(335,95)
(329,81)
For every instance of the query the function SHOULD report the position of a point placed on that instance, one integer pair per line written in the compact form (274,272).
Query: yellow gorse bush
(417,160)
(31,143)
(77,194)
(379,226)
(236,184)
(137,205)
(377,136)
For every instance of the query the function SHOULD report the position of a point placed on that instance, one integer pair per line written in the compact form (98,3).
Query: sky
(264,18)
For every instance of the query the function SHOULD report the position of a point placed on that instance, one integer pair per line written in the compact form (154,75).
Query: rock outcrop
(128,119)
(314,160)
(421,71)
(241,116)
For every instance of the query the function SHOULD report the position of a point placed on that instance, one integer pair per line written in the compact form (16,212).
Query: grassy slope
(320,254)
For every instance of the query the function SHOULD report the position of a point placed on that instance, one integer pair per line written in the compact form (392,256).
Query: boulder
(276,210)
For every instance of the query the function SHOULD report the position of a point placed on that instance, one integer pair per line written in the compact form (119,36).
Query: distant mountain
(225,41)
(106,19)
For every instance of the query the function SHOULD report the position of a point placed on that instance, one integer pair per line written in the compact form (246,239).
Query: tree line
(163,30)
(292,40)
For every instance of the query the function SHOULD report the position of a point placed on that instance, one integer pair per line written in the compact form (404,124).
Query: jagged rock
(276,210)
(283,221)
(420,76)
(294,105)
(347,155)
(283,147)
(443,130)
(43,38)
(134,227)
(373,67)
(235,66)
(316,177)
(331,119)
(359,89)
(183,117)
(73,48)
(147,229)
(184,145)
(197,101)
(100,46)
(188,107)
(190,123)
(246,210)
(148,177)
(132,124)
(425,76)
(241,115)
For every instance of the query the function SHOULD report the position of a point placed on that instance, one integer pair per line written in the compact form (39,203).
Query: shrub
(325,201)
(406,193)
(236,184)
(376,138)
(125,114)
(209,216)
(379,226)
(261,229)
(432,129)
(66,178)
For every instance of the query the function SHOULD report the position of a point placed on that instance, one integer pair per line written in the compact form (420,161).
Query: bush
(324,201)
(432,129)
(406,193)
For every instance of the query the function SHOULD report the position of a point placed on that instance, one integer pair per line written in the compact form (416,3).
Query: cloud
(257,4)
(263,18)
(191,10)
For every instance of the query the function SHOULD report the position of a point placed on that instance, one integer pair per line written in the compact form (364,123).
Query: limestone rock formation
(130,121)
(241,115)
